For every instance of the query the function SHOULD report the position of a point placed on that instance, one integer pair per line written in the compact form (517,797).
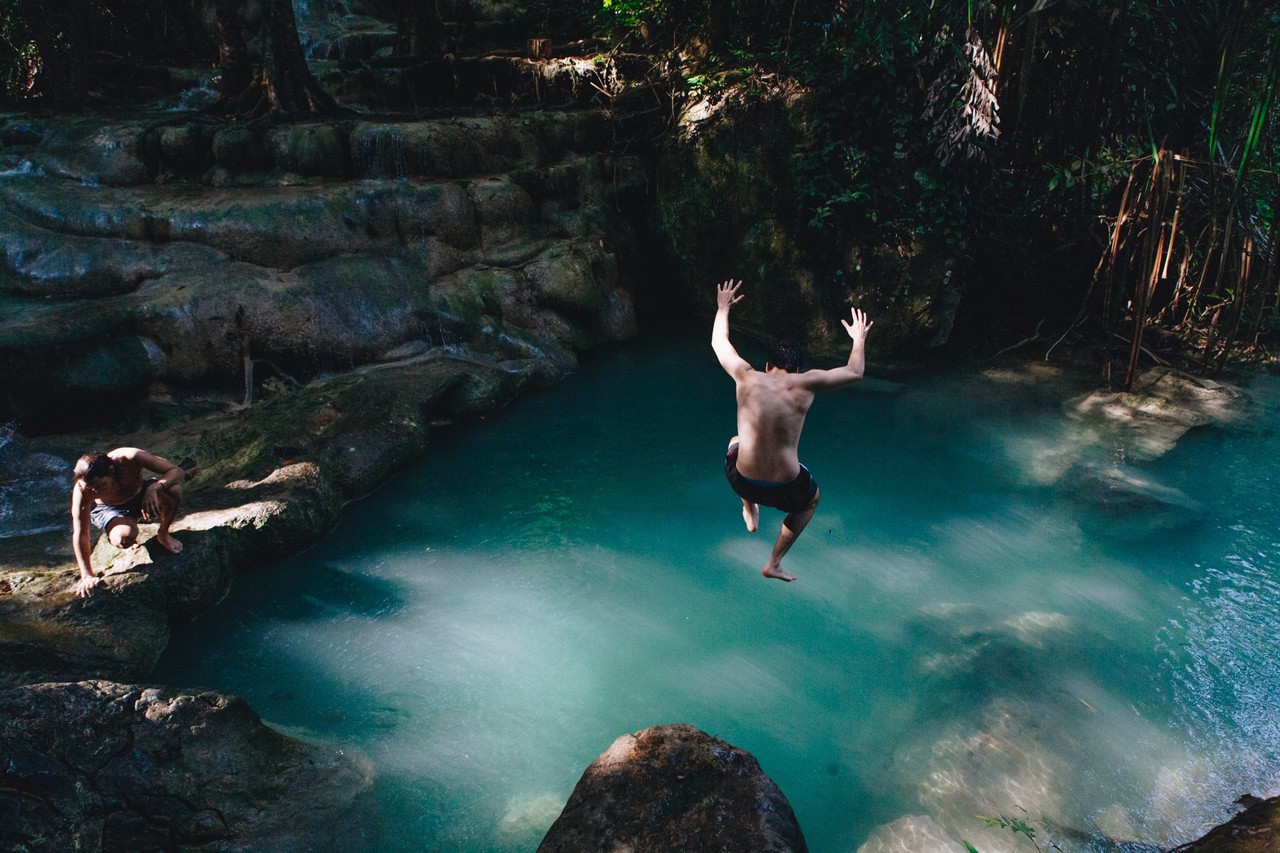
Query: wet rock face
(178,254)
(102,766)
(674,787)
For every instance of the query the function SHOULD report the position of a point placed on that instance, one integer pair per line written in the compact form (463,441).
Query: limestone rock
(237,147)
(1162,406)
(319,247)
(103,766)
(46,632)
(96,152)
(310,149)
(1255,830)
(673,787)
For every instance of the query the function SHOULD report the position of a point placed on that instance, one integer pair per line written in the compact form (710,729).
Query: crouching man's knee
(123,535)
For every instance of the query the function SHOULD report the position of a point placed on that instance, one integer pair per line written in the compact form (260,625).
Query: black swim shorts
(102,514)
(794,496)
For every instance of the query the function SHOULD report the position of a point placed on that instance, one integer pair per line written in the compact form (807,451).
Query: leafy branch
(1016,825)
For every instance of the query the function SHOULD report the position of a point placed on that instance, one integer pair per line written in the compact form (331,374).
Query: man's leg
(750,511)
(170,500)
(122,532)
(792,526)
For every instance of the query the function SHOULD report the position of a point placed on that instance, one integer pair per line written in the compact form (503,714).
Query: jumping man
(110,492)
(763,460)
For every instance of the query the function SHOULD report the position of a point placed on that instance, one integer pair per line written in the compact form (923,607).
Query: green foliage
(1016,825)
(20,61)
(630,13)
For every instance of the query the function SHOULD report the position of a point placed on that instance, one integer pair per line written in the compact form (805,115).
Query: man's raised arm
(726,297)
(857,326)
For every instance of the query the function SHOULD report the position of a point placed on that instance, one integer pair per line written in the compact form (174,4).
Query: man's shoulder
(132,458)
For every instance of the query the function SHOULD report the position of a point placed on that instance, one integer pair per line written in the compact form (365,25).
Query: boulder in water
(1145,422)
(103,766)
(1254,830)
(673,787)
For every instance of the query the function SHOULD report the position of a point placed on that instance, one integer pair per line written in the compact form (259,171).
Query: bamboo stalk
(1237,305)
(1154,249)
(1194,297)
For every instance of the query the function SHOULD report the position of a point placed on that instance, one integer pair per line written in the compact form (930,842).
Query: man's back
(772,406)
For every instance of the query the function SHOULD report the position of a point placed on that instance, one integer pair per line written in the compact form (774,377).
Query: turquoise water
(958,642)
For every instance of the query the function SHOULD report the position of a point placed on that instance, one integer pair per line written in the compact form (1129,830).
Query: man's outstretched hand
(727,294)
(860,325)
(85,587)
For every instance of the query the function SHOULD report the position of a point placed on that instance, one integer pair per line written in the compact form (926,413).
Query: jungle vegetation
(1104,170)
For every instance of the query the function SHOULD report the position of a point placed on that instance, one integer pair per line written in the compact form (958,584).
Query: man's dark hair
(95,466)
(785,353)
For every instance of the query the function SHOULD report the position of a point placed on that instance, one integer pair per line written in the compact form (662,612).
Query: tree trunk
(419,29)
(719,18)
(277,82)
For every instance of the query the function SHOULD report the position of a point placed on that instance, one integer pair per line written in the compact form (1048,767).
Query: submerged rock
(915,833)
(96,765)
(673,787)
(1146,421)
(1119,502)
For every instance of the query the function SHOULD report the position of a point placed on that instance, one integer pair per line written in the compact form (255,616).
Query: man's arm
(726,297)
(170,476)
(837,377)
(80,542)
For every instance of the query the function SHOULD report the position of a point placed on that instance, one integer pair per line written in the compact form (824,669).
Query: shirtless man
(110,492)
(763,460)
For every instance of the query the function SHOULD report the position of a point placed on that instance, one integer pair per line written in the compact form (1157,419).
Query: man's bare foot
(751,515)
(170,544)
(777,573)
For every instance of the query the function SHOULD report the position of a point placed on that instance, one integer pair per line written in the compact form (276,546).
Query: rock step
(483,83)
(98,151)
(197,327)
(68,239)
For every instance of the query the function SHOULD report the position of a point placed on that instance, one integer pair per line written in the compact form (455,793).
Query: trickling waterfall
(33,487)
(323,26)
(381,153)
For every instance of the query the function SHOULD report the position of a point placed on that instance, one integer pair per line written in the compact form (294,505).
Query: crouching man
(111,493)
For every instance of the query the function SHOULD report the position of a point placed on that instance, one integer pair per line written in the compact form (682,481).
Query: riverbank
(273,478)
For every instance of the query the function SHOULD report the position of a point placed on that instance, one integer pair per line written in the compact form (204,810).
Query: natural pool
(957,644)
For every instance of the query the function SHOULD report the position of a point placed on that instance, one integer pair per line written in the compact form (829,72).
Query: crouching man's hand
(85,587)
